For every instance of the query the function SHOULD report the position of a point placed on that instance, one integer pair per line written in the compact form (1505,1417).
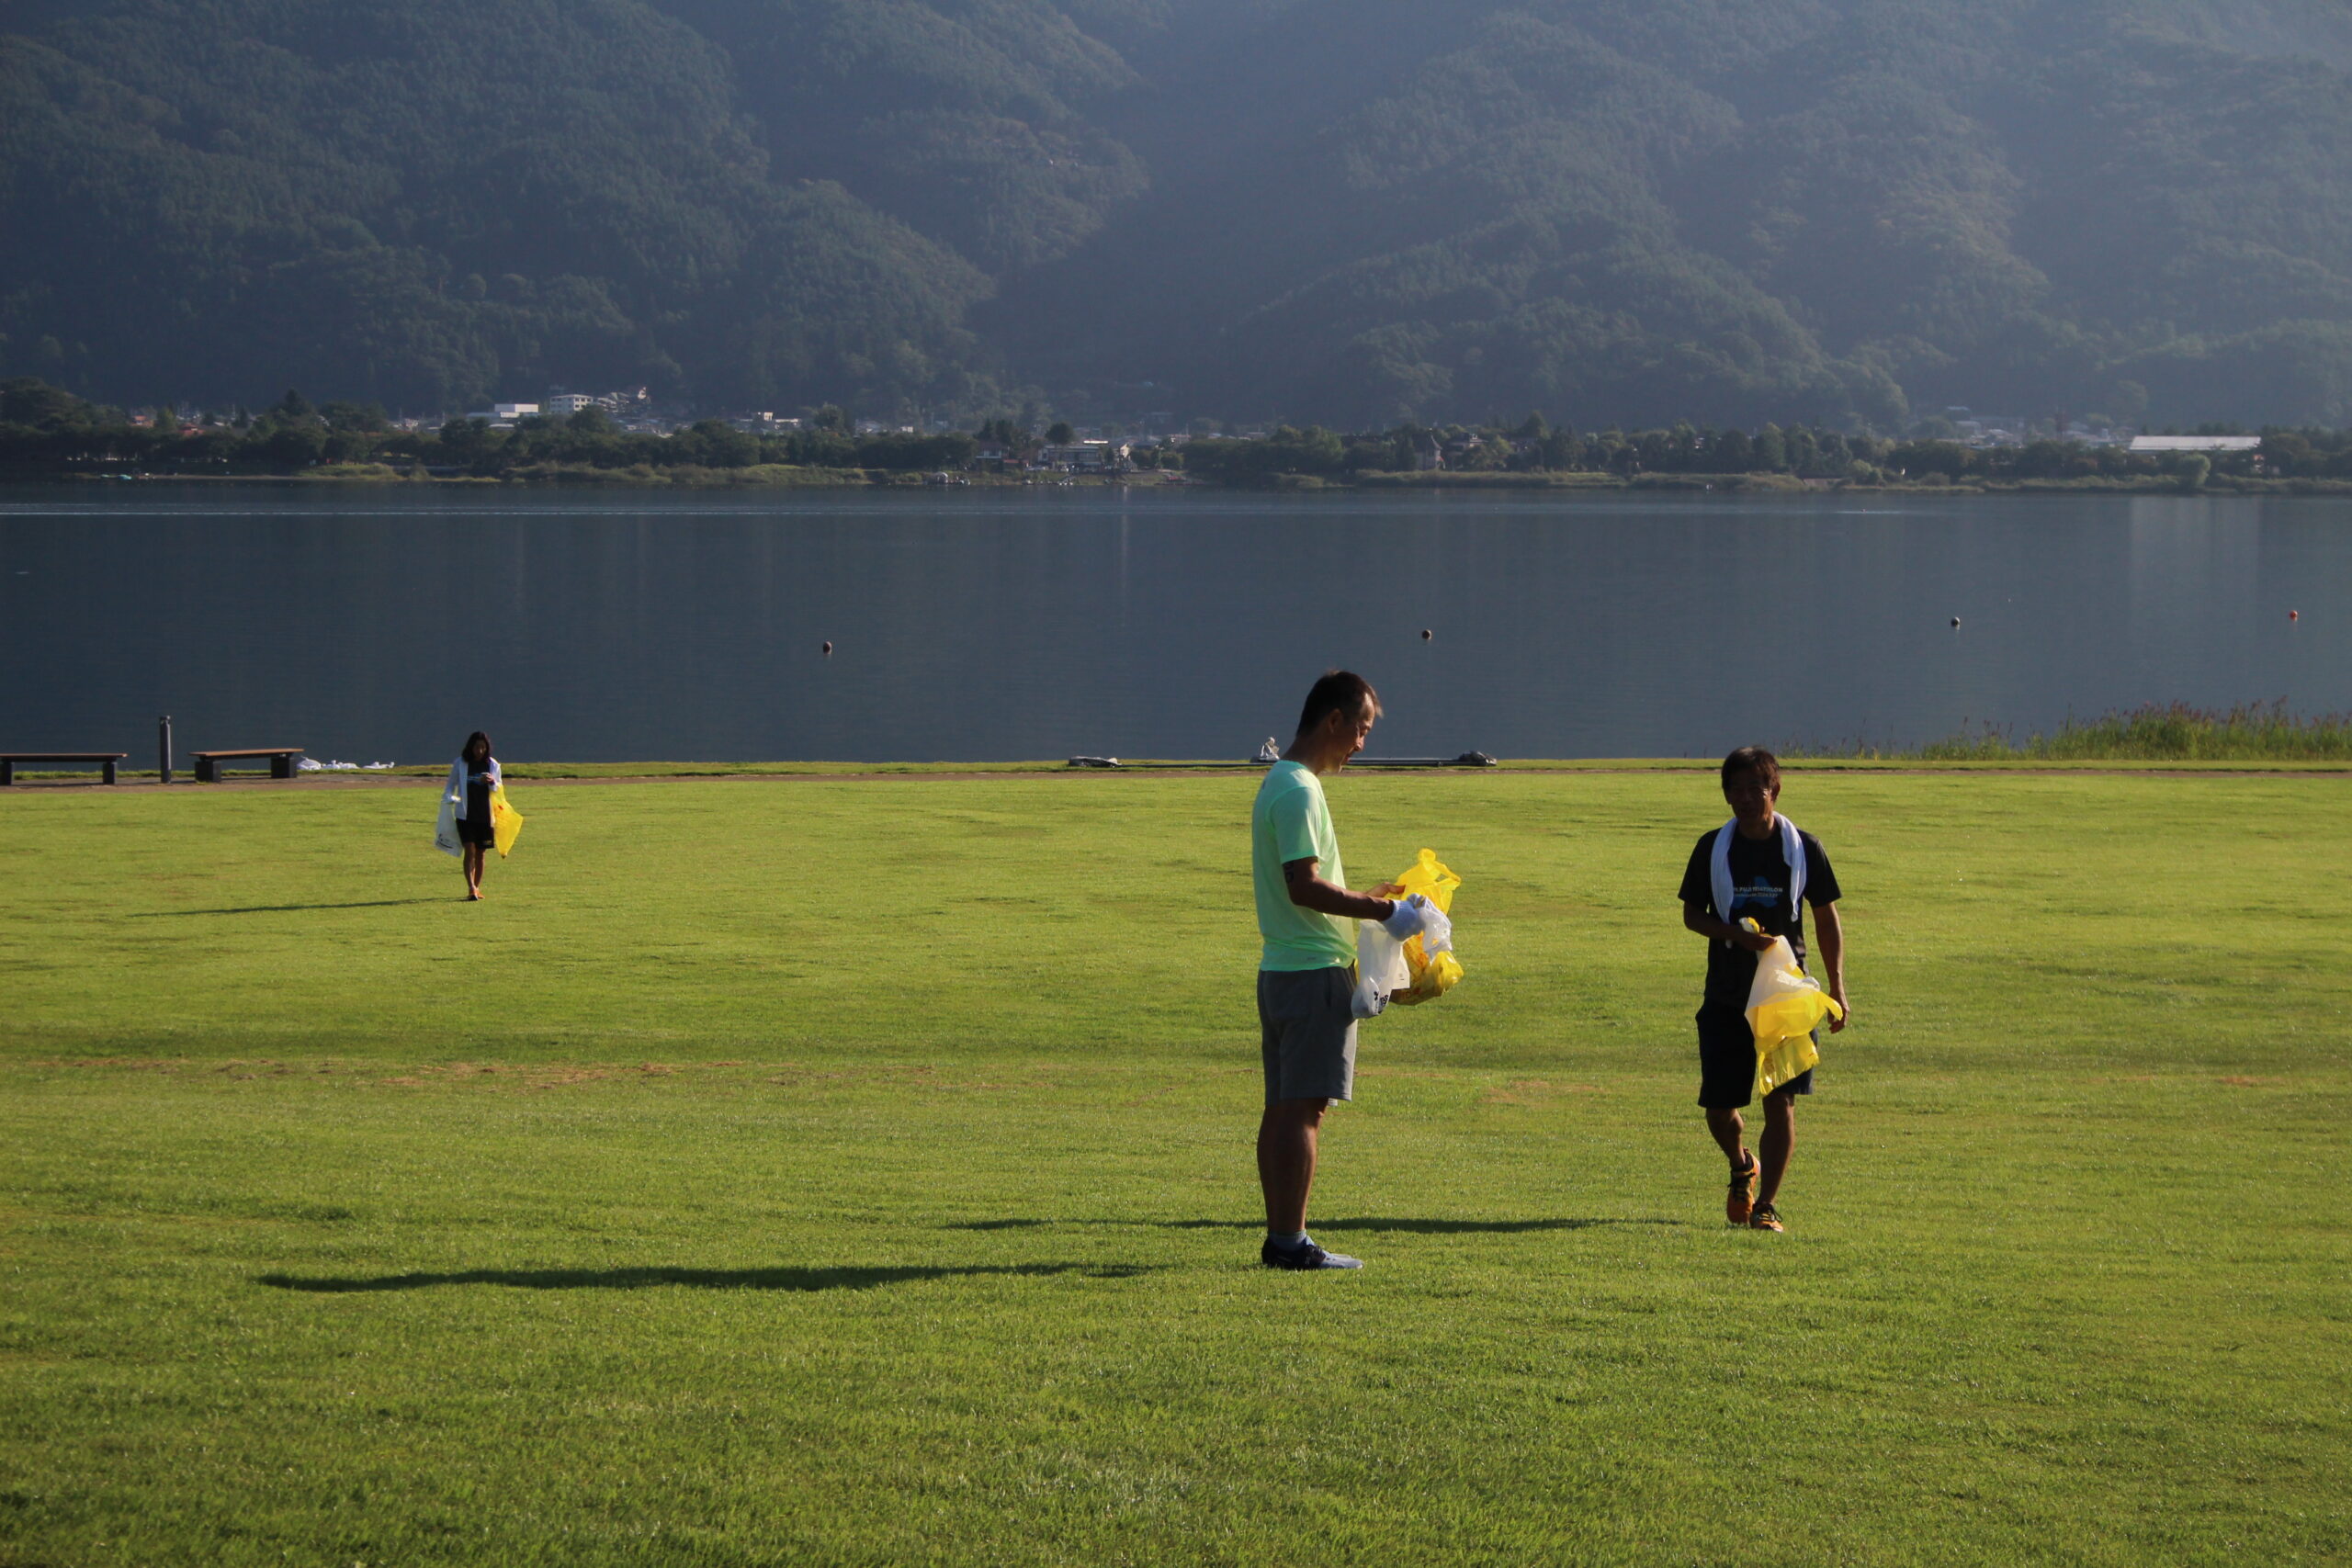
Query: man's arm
(1309,891)
(1695,917)
(1829,933)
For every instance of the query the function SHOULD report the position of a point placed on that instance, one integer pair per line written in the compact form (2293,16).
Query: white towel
(1719,867)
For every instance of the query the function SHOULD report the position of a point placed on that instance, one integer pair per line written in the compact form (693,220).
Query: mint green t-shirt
(1291,822)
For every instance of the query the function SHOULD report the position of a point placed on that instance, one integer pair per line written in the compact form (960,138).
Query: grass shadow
(844,1278)
(286,909)
(1423,1227)
(1469,1227)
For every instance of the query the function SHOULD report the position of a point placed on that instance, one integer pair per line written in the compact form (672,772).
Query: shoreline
(570,773)
(773,477)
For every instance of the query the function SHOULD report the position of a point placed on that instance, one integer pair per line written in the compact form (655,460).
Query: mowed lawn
(810,1172)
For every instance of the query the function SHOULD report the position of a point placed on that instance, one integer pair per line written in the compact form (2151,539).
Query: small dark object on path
(828,651)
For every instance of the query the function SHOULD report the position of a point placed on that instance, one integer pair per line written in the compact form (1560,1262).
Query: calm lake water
(382,625)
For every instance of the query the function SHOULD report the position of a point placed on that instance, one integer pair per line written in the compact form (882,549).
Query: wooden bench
(210,764)
(103,760)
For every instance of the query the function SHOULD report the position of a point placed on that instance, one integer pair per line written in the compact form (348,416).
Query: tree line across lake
(46,432)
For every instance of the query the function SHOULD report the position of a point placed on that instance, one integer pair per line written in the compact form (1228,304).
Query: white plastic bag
(444,830)
(1381,971)
(1784,1006)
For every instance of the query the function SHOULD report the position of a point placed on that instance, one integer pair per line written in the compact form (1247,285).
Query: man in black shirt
(1758,867)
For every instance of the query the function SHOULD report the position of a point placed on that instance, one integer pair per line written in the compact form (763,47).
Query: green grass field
(781,1171)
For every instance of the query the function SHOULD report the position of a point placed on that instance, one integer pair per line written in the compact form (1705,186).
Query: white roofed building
(2196,444)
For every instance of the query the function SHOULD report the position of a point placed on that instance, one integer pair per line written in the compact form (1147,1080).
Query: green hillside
(1347,210)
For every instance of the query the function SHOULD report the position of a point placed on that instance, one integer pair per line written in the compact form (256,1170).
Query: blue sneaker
(1306,1255)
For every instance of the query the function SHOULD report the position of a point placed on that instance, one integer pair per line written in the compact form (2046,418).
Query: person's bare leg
(1728,1127)
(1780,1142)
(473,871)
(1286,1145)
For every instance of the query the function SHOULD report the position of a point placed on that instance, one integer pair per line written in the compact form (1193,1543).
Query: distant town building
(501,416)
(1085,456)
(2196,444)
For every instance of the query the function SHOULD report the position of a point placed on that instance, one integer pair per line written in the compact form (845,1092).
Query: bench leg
(110,772)
(282,765)
(207,771)
(8,773)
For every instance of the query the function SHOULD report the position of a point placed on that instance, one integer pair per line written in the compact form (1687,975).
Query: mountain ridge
(1828,210)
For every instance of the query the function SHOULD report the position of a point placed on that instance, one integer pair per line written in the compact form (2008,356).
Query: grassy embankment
(2250,734)
(858,1172)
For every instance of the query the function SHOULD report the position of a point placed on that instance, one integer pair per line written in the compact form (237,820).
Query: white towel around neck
(1719,866)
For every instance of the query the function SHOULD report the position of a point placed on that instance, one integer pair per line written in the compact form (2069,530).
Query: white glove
(1409,917)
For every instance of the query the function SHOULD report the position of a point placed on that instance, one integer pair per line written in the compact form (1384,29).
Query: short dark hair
(1752,760)
(1338,690)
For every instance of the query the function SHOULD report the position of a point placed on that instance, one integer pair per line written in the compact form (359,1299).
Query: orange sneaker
(1743,1190)
(1765,1218)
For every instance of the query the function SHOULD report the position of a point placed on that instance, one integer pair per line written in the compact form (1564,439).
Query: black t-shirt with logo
(1759,891)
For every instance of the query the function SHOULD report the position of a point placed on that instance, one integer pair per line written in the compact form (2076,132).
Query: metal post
(163,749)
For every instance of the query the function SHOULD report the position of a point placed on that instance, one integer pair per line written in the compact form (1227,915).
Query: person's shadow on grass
(282,908)
(843,1279)
(1423,1227)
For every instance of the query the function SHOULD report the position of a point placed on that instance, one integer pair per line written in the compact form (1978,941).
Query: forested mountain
(1347,210)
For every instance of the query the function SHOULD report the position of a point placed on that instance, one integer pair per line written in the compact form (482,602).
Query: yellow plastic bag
(505,822)
(1433,974)
(1785,1005)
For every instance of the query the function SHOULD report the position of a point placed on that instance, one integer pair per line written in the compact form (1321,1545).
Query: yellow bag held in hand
(1785,1005)
(505,822)
(1433,974)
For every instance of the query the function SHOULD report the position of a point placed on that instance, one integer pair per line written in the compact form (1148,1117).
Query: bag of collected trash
(1429,957)
(1420,965)
(445,829)
(505,822)
(1785,1005)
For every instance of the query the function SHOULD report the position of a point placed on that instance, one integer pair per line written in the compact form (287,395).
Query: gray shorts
(1306,1032)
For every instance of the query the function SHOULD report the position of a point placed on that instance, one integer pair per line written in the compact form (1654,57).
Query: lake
(383,624)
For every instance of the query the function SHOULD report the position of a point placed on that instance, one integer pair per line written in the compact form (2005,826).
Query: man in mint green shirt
(1306,976)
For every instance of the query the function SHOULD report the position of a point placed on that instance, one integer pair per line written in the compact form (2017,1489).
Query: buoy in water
(2294,615)
(1955,623)
(1427,633)
(828,651)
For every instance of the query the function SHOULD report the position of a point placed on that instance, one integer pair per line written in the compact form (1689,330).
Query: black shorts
(1727,1060)
(474,829)
(1306,1032)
